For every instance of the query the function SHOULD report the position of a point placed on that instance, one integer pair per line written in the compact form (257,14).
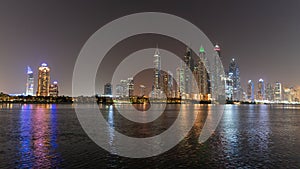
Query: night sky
(263,36)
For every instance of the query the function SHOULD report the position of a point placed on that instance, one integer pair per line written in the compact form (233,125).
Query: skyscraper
(130,86)
(30,82)
(122,89)
(157,69)
(269,92)
(180,79)
(170,84)
(234,70)
(53,89)
(188,69)
(43,80)
(107,89)
(278,91)
(203,78)
(250,91)
(261,90)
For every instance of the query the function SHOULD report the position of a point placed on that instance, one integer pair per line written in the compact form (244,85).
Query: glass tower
(30,82)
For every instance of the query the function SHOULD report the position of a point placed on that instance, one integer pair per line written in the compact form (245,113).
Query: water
(248,136)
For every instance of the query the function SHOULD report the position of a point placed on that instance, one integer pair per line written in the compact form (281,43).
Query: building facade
(234,74)
(261,90)
(43,80)
(250,91)
(53,89)
(30,82)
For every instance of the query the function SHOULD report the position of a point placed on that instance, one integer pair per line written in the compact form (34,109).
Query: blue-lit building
(30,82)
(250,91)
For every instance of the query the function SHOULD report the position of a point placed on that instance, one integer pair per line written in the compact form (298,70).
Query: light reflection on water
(38,134)
(248,136)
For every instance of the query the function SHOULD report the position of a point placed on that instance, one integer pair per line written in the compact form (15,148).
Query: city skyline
(263,48)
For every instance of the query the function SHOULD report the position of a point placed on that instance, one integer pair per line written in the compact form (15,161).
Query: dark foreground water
(248,136)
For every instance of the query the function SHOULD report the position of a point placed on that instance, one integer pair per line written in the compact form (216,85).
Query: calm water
(248,136)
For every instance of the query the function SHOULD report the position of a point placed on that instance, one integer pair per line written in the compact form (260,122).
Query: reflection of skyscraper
(43,80)
(250,91)
(30,82)
(234,70)
(261,90)
(53,90)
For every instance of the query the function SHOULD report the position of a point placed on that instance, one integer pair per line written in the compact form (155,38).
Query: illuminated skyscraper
(188,70)
(107,89)
(180,79)
(203,78)
(30,82)
(250,91)
(53,89)
(157,69)
(269,92)
(130,86)
(228,87)
(43,80)
(234,70)
(261,90)
(278,91)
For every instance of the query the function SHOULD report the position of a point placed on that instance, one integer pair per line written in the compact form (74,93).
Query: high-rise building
(201,75)
(261,90)
(290,94)
(170,84)
(53,89)
(269,92)
(157,72)
(180,79)
(43,80)
(122,89)
(107,89)
(30,82)
(188,70)
(234,70)
(250,91)
(278,91)
(218,50)
(130,86)
(228,88)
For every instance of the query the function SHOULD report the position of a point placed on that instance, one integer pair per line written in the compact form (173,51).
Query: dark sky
(264,36)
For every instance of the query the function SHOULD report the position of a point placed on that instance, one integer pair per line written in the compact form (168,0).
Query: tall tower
(278,91)
(203,86)
(250,91)
(180,79)
(157,69)
(130,86)
(188,69)
(43,80)
(234,73)
(30,82)
(261,90)
(107,89)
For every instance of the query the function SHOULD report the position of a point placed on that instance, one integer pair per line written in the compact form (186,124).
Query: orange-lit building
(43,80)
